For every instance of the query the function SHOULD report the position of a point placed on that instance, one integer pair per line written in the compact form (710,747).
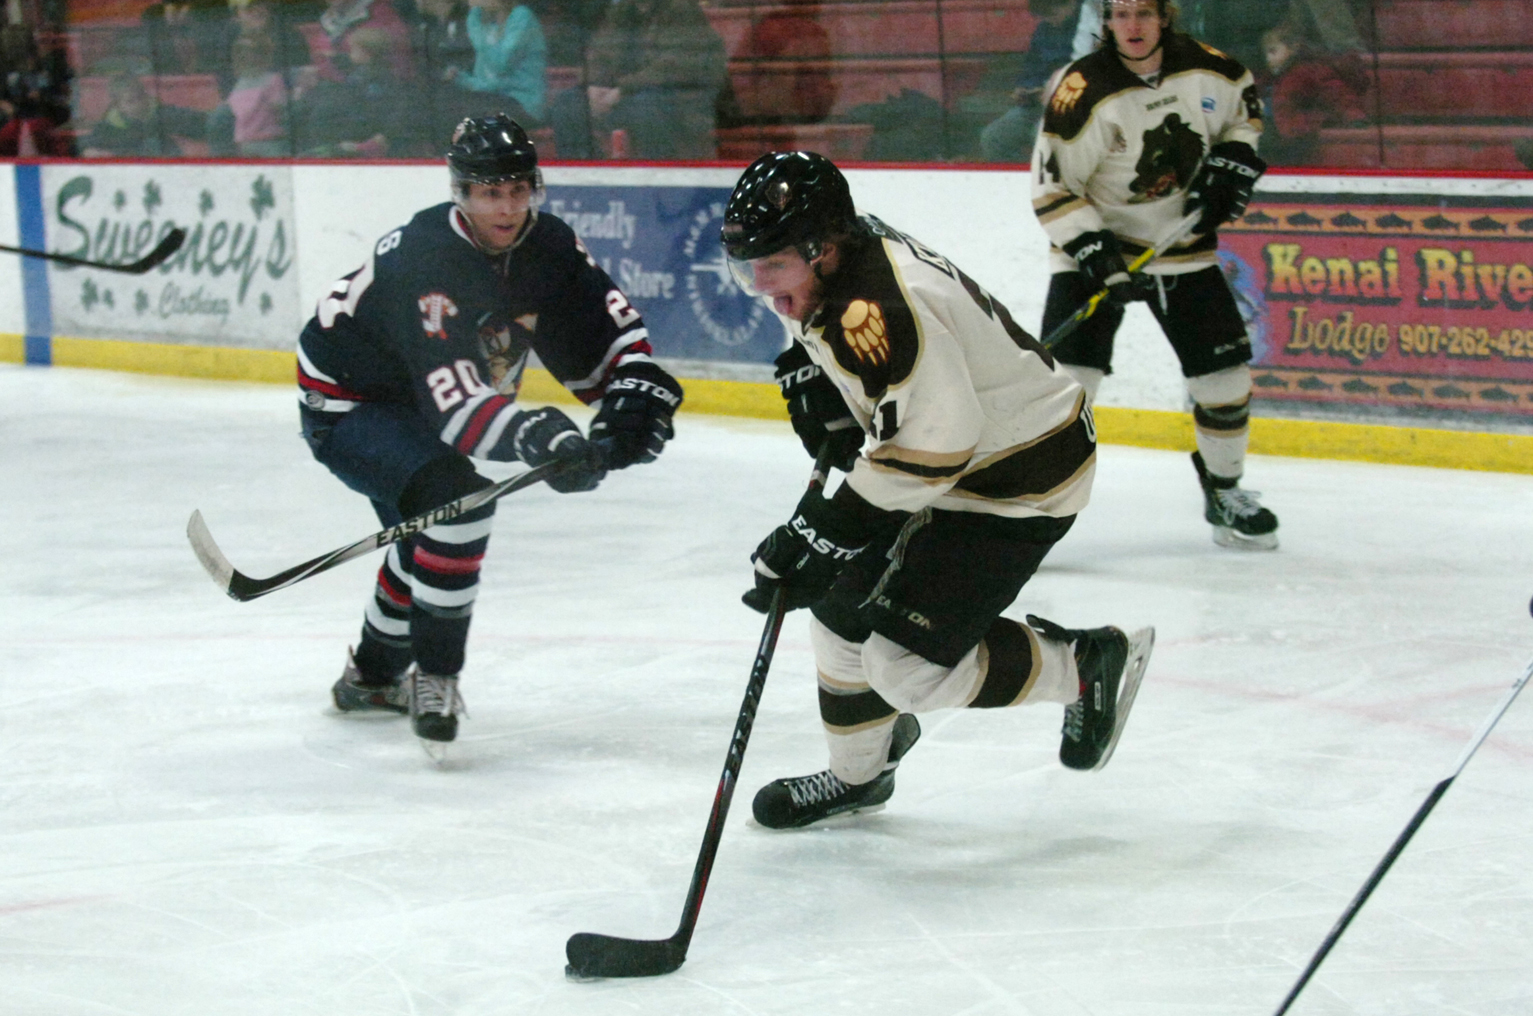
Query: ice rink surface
(188,827)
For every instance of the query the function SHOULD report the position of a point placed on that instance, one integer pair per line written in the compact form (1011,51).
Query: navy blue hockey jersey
(433,322)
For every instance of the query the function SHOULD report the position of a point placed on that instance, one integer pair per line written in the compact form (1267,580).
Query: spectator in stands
(1303,94)
(188,37)
(22,135)
(137,124)
(1524,150)
(510,61)
(1237,26)
(1009,138)
(278,19)
(340,18)
(370,114)
(808,93)
(568,26)
(254,117)
(34,104)
(654,70)
(441,49)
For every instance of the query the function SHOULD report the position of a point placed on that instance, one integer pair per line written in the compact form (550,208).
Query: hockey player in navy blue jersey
(410,368)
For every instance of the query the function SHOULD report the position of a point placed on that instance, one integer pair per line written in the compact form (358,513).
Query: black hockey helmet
(787,199)
(492,149)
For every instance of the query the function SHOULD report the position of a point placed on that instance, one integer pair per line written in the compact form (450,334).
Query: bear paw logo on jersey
(436,308)
(1168,160)
(1069,92)
(866,334)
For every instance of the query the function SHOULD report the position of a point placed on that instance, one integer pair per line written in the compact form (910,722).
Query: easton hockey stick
(162,251)
(590,955)
(1067,327)
(1401,840)
(242,587)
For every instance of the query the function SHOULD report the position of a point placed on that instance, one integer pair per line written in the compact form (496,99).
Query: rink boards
(1412,298)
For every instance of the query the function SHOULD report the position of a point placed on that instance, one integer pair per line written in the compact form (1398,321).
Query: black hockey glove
(1101,263)
(807,554)
(545,435)
(635,418)
(1222,186)
(817,409)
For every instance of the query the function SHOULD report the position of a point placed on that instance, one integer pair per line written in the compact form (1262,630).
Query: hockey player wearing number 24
(411,368)
(1150,129)
(979,453)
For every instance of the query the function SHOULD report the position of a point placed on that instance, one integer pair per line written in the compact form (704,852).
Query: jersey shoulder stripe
(1185,54)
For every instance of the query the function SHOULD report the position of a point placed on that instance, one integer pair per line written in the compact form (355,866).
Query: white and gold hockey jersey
(965,410)
(1115,152)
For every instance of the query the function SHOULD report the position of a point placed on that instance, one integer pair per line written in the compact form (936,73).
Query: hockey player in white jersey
(979,453)
(1150,128)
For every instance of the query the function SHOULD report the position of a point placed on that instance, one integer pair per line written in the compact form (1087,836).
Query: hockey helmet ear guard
(493,150)
(783,200)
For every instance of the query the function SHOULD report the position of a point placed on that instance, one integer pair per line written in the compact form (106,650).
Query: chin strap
(1127,59)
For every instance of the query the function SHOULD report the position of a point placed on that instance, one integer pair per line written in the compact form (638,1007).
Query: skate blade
(836,819)
(1140,645)
(435,750)
(1227,537)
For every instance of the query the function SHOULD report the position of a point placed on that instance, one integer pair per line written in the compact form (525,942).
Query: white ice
(187,826)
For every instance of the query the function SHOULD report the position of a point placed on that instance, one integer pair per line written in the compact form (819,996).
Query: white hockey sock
(1088,378)
(858,723)
(860,754)
(1058,679)
(1221,415)
(1224,454)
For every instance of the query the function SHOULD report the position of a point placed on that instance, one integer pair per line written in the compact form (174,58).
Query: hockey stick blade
(242,587)
(203,545)
(162,251)
(593,956)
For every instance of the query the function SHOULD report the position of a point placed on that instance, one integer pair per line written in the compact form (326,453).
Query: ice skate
(1111,666)
(354,693)
(801,800)
(1238,518)
(434,708)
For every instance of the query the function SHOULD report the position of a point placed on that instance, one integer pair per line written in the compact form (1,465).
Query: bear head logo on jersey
(1169,157)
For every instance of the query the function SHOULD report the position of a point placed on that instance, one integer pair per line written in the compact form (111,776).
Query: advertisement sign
(231,284)
(1397,302)
(661,246)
